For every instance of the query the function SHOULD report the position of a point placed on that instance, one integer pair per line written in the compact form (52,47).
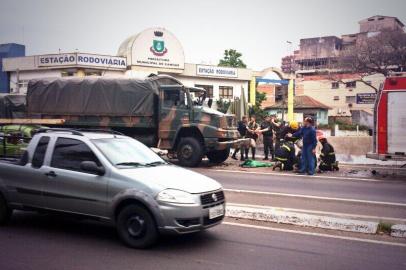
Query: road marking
(302,176)
(315,234)
(315,197)
(336,214)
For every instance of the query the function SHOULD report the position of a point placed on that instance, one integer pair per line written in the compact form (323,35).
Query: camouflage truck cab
(159,111)
(192,130)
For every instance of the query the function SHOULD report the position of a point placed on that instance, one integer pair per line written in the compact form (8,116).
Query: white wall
(237,85)
(25,76)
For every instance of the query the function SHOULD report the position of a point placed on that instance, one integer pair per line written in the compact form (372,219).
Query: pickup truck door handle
(51,174)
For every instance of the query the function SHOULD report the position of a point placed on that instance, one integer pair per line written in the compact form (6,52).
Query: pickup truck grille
(212,197)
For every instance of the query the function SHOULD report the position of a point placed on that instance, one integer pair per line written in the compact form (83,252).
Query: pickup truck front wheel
(136,227)
(189,152)
(5,211)
(218,156)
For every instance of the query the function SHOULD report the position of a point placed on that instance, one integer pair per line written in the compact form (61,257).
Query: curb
(398,230)
(279,215)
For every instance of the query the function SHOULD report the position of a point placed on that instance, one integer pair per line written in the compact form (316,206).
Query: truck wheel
(218,156)
(190,152)
(5,211)
(136,227)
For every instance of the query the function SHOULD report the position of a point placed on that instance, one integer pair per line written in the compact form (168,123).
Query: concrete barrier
(279,215)
(398,230)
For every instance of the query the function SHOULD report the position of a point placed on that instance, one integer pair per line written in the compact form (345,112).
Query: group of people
(279,142)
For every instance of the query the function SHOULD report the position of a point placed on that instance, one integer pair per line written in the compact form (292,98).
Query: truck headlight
(175,196)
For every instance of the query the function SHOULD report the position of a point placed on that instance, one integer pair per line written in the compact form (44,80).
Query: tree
(257,109)
(223,105)
(232,58)
(383,54)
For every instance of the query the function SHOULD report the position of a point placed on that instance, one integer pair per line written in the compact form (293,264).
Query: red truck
(390,121)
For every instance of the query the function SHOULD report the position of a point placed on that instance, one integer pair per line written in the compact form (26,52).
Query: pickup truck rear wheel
(136,227)
(189,152)
(5,211)
(218,156)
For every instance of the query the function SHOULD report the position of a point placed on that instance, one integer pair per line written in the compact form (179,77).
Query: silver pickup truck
(110,177)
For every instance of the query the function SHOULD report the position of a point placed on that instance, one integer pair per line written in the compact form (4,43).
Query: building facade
(153,51)
(317,76)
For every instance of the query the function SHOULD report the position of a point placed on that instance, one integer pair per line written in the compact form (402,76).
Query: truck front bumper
(221,144)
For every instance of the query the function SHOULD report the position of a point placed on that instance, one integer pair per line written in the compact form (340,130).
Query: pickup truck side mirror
(91,167)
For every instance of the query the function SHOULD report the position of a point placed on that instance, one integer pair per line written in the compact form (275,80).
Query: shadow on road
(61,227)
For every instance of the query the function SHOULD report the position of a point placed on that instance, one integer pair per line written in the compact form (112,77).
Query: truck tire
(189,152)
(136,227)
(218,156)
(5,211)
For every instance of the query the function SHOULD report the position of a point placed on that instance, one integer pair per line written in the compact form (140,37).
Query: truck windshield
(127,152)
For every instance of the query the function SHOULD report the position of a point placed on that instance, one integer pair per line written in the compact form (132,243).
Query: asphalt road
(363,198)
(43,242)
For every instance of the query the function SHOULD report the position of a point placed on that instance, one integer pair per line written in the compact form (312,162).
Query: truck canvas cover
(92,96)
(12,106)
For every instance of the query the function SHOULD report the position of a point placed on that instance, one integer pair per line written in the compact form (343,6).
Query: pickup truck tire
(189,152)
(136,227)
(218,156)
(5,211)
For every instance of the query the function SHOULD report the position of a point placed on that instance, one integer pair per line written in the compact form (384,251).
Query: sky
(259,29)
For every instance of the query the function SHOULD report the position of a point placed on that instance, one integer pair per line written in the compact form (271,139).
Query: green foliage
(256,109)
(232,58)
(223,105)
(384,227)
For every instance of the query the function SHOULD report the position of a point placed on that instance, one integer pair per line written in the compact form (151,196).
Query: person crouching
(327,157)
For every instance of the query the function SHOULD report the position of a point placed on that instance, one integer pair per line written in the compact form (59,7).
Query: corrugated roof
(301,102)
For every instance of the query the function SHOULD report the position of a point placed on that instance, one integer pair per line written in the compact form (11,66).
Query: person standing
(252,130)
(267,134)
(242,129)
(308,133)
(277,127)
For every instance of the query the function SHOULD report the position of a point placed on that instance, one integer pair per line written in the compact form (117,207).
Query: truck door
(174,112)
(396,122)
(68,187)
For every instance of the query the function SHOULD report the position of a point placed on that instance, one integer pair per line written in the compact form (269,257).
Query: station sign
(82,59)
(214,71)
(366,98)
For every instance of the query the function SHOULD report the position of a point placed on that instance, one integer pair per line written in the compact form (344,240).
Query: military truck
(158,111)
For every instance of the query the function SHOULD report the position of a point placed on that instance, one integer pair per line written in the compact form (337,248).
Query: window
(174,98)
(39,153)
(350,99)
(336,98)
(208,88)
(335,85)
(67,73)
(226,92)
(351,84)
(69,154)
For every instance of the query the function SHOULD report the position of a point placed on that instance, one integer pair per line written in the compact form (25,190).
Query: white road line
(302,176)
(336,214)
(315,234)
(314,197)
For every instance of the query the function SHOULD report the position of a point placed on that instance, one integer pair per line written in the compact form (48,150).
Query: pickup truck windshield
(127,152)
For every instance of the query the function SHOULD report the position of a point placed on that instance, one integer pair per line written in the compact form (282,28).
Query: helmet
(293,125)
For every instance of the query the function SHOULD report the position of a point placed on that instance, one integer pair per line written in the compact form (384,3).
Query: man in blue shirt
(308,133)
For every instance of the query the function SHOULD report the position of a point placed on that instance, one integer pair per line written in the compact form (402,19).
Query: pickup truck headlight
(175,196)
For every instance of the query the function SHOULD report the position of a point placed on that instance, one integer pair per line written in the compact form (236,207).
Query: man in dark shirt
(242,129)
(267,133)
(252,133)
